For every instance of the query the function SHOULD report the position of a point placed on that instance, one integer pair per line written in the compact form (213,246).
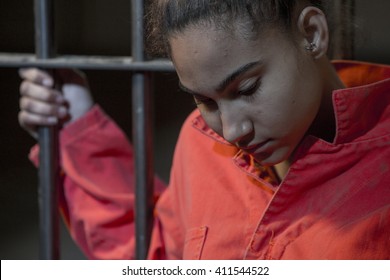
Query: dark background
(103,28)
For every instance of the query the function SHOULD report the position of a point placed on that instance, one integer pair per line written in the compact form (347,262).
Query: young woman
(286,157)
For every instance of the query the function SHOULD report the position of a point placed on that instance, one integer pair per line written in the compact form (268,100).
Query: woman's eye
(249,87)
(199,100)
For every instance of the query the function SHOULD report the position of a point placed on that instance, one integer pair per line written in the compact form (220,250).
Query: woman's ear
(312,25)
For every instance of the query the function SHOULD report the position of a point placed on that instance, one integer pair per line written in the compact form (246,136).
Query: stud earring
(311,47)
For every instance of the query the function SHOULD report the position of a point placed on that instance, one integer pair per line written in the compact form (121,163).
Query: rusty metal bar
(142,136)
(85,62)
(48,143)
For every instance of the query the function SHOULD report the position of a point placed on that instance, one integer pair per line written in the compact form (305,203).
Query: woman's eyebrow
(231,77)
(243,69)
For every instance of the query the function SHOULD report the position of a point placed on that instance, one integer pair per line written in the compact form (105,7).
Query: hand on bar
(42,105)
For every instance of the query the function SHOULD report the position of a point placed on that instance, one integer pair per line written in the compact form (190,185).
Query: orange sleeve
(98,186)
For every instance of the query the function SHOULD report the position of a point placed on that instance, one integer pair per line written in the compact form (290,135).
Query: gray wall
(373,31)
(102,27)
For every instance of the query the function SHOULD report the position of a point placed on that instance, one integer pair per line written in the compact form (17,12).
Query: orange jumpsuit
(334,203)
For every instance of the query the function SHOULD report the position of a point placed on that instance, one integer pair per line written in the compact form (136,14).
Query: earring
(311,47)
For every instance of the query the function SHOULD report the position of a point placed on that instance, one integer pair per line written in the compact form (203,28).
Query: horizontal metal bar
(85,62)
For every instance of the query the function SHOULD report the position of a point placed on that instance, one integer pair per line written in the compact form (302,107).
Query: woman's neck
(324,125)
(281,169)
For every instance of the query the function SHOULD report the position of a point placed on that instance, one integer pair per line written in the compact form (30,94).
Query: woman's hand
(42,105)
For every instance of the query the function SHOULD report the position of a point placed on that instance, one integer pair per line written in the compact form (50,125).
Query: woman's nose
(235,127)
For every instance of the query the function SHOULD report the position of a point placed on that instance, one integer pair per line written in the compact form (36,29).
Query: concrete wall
(373,31)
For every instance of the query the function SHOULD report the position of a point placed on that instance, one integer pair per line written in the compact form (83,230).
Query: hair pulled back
(170,17)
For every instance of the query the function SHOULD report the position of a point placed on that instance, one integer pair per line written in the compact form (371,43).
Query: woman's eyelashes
(202,100)
(246,89)
(249,87)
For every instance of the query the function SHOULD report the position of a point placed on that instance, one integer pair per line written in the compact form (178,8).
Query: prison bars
(142,123)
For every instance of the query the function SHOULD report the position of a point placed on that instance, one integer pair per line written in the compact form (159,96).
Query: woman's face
(261,95)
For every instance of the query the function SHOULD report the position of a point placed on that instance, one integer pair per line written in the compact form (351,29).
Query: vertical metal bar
(48,142)
(142,136)
(343,12)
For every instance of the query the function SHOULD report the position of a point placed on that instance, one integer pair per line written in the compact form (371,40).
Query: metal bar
(342,45)
(144,172)
(47,194)
(142,137)
(348,48)
(85,62)
(48,157)
(44,46)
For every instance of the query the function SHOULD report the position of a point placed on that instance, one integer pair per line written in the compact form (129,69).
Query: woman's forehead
(200,45)
(208,39)
(203,58)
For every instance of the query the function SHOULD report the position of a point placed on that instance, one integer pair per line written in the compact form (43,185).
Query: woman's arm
(97,192)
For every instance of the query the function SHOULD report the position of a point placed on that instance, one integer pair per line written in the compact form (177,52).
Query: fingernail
(62,111)
(52,120)
(47,82)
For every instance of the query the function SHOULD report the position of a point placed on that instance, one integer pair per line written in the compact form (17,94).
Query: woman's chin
(272,158)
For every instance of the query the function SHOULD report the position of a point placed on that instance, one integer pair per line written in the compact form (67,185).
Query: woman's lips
(255,148)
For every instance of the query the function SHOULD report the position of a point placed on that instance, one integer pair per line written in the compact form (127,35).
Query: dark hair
(169,17)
